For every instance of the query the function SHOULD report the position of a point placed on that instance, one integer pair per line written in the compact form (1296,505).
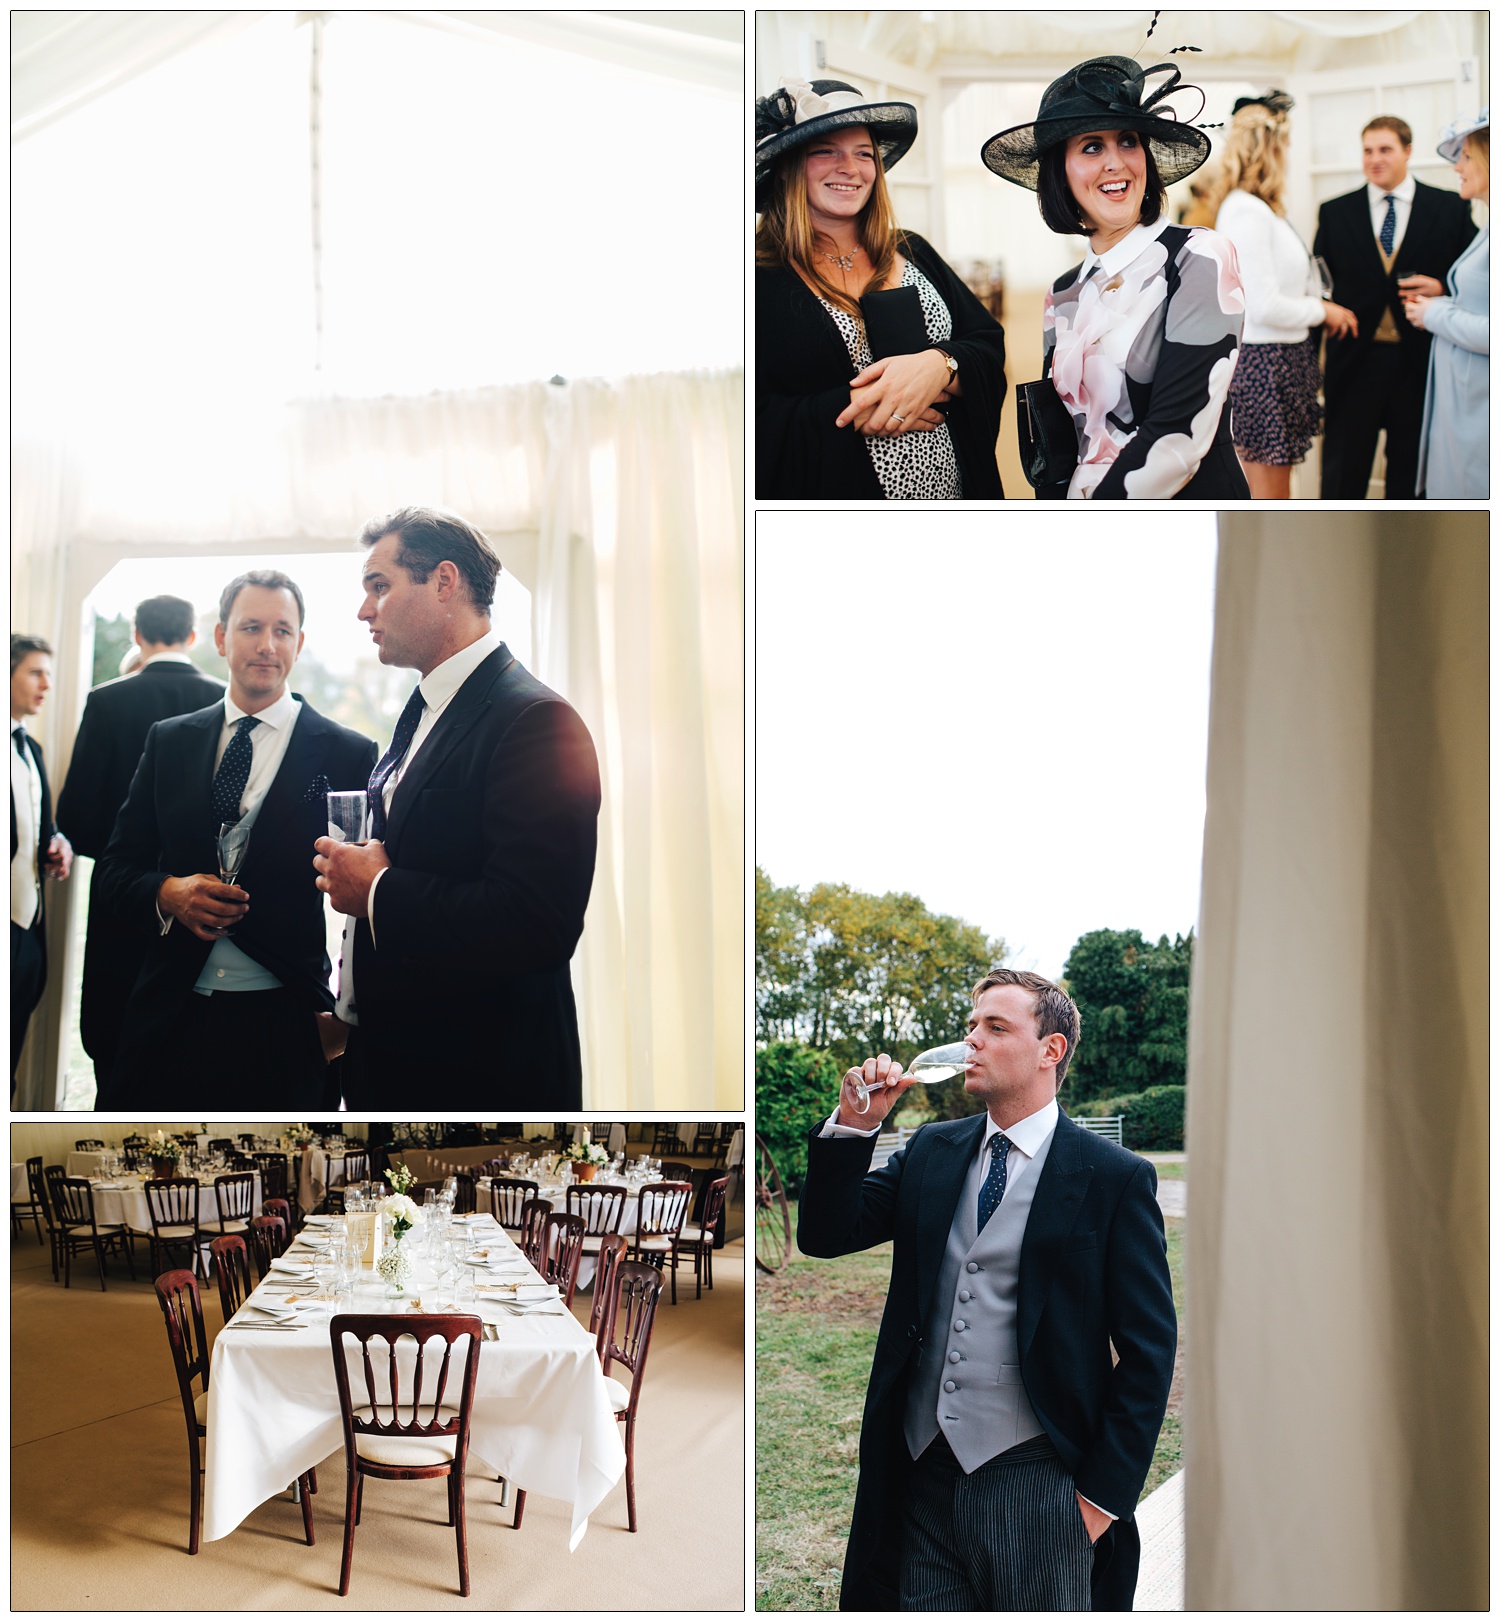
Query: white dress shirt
(439,688)
(26,796)
(1403,195)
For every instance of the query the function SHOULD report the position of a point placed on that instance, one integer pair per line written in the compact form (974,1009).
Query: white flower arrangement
(403,1213)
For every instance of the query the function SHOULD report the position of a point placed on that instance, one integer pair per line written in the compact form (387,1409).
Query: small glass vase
(396,1266)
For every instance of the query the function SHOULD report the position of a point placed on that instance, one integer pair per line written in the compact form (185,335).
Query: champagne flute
(936,1064)
(233,841)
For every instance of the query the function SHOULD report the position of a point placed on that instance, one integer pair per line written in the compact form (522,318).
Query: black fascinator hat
(798,112)
(1275,101)
(1104,93)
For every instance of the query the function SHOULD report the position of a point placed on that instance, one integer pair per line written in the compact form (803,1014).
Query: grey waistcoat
(968,1378)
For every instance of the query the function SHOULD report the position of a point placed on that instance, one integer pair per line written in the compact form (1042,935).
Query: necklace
(845,261)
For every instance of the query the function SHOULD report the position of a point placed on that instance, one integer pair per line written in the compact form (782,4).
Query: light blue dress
(1455,456)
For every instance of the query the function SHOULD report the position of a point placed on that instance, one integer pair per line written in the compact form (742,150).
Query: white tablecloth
(83,1163)
(310,1168)
(541,1417)
(20,1190)
(127,1204)
(557,1198)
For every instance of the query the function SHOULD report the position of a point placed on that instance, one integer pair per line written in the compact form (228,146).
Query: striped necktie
(406,730)
(993,1189)
(1388,226)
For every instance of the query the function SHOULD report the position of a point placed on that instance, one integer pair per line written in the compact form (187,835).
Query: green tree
(1133,997)
(111,639)
(796,1087)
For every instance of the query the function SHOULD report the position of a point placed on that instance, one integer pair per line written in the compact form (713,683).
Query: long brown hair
(785,237)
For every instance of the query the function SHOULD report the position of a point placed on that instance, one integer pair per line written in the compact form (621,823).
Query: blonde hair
(1477,145)
(1254,158)
(785,237)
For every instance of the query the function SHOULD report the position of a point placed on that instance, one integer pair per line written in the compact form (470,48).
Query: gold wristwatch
(952,364)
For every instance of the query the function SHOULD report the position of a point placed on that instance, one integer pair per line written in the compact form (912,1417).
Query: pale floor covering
(99,1494)
(1159,1517)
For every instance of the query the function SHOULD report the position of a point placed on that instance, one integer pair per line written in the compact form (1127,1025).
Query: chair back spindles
(231,1263)
(562,1252)
(508,1196)
(612,1248)
(235,1193)
(637,1290)
(534,1214)
(601,1205)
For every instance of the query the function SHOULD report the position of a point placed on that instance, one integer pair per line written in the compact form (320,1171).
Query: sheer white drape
(620,507)
(1338,1232)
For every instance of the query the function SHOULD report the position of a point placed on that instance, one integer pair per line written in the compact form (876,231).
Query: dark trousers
(28,977)
(1008,1537)
(433,1067)
(235,1050)
(1379,392)
(111,961)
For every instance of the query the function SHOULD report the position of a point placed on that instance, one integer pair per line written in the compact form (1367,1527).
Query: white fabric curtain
(620,507)
(1337,1255)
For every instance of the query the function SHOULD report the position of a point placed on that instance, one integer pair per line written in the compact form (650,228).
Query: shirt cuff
(833,1128)
(370,902)
(166,923)
(1100,1507)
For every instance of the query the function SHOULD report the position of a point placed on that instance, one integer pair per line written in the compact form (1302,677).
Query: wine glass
(936,1064)
(232,843)
(349,816)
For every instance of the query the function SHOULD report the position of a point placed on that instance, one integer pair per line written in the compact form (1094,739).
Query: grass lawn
(815,1325)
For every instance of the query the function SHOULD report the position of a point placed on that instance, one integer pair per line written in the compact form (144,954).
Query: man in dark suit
(467,903)
(1002,1452)
(232,1006)
(111,736)
(37,849)
(1393,235)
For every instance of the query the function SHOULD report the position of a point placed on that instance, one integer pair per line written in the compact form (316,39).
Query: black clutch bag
(894,323)
(1049,439)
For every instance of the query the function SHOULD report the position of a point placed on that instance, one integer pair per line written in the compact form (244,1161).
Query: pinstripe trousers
(1008,1537)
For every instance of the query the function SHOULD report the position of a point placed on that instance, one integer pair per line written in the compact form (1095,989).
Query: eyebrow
(371,574)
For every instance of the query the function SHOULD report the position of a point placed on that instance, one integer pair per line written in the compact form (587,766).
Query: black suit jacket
(165,828)
(1093,1274)
(1439,229)
(491,838)
(47,826)
(111,737)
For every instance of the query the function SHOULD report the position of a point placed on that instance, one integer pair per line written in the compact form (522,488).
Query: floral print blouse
(1141,343)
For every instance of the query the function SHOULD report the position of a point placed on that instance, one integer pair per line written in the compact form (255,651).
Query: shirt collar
(273,716)
(1028,1135)
(1125,250)
(1402,193)
(444,680)
(176,658)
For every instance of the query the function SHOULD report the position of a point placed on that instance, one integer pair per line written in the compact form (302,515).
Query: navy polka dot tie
(1388,226)
(993,1191)
(406,730)
(233,773)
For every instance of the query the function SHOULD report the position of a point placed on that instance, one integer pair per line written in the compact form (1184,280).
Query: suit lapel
(465,708)
(942,1183)
(1416,223)
(1364,234)
(196,785)
(1054,1210)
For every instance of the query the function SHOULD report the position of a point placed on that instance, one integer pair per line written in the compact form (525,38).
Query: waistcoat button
(953,1357)
(965,1295)
(950,1385)
(971,1267)
(960,1325)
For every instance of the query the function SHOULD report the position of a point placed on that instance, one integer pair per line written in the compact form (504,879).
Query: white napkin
(284,1264)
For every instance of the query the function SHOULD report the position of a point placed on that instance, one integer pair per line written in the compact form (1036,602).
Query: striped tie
(406,730)
(993,1191)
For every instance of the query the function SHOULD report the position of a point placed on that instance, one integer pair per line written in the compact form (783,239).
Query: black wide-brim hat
(1104,93)
(799,112)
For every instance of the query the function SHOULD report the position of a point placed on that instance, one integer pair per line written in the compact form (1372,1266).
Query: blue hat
(1451,142)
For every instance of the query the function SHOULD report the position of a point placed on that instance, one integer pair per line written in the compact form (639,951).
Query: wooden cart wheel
(773,1216)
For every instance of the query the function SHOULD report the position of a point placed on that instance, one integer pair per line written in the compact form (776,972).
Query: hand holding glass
(936,1064)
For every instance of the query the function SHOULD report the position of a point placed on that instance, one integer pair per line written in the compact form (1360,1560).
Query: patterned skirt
(1273,399)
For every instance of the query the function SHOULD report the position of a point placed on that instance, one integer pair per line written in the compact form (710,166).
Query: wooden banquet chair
(464,1196)
(508,1196)
(273,1175)
(182,1307)
(34,1207)
(221,1146)
(676,1171)
(658,1226)
(635,1291)
(705,1137)
(279,1208)
(78,1230)
(602,1206)
(231,1266)
(406,1446)
(664,1139)
(357,1166)
(173,1204)
(699,1237)
(267,1236)
(612,1248)
(234,1193)
(533,1241)
(562,1251)
(81,1145)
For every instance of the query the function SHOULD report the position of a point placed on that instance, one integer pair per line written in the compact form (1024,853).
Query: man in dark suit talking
(1392,236)
(1002,1451)
(466,905)
(106,752)
(232,1008)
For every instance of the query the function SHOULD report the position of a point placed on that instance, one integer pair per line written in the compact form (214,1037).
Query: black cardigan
(802,372)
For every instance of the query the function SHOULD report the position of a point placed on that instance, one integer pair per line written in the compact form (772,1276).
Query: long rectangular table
(541,1415)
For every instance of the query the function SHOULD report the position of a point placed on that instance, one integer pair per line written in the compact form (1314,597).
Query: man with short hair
(466,905)
(1393,235)
(111,736)
(37,849)
(1002,1450)
(231,1009)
